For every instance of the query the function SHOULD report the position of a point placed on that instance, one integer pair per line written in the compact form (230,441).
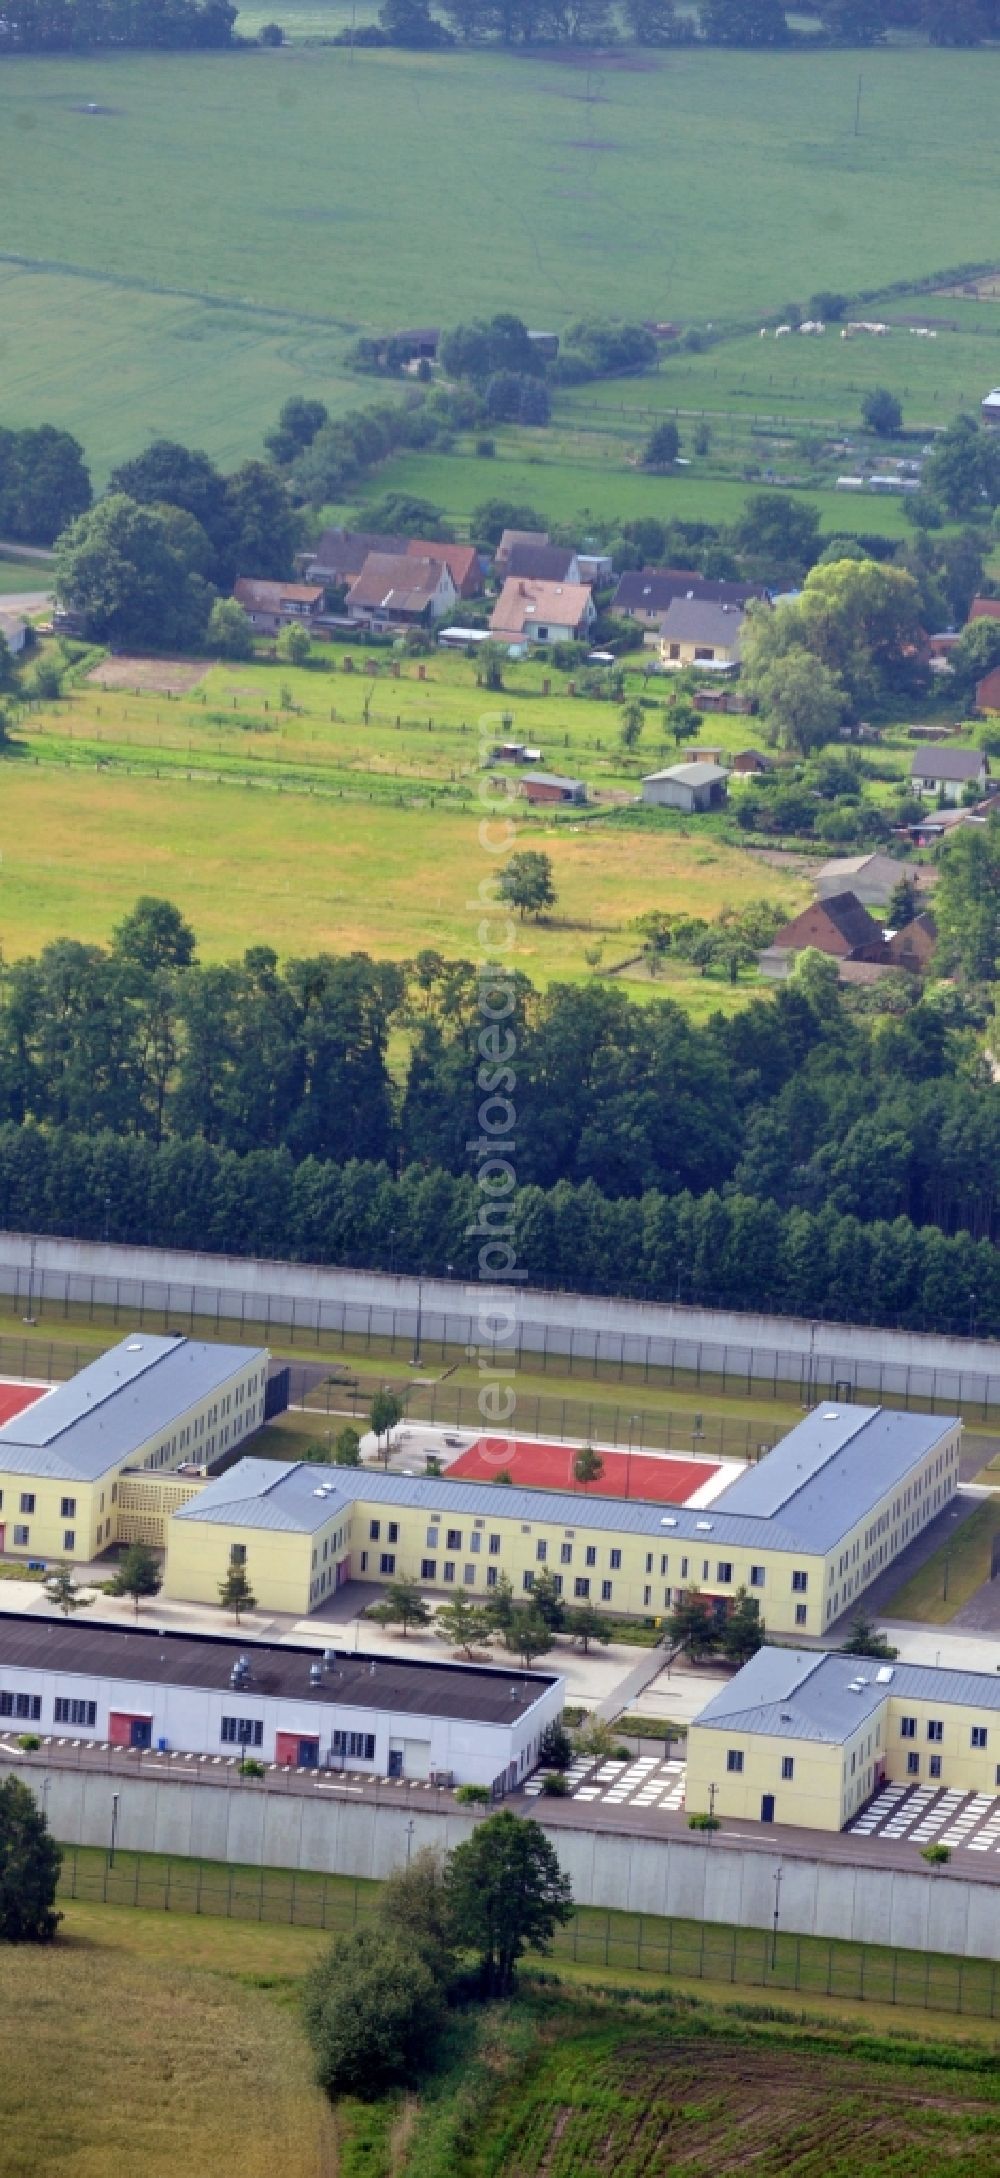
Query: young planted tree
(464,1623)
(29,1868)
(744,1631)
(403,1605)
(500,1604)
(588,1466)
(62,1591)
(632,720)
(139,1574)
(294,644)
(692,1625)
(585,1625)
(865,1639)
(546,1601)
(347,1449)
(527,1636)
(555,1748)
(508,1895)
(386,1412)
(235,1592)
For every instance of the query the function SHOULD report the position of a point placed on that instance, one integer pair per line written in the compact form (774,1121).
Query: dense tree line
(44,483)
(758,24)
(67,26)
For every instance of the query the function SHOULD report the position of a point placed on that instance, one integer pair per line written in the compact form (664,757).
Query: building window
(649,1561)
(684,1569)
(787,1768)
(527,1582)
(979,1737)
(355,1746)
(647,1597)
(73,1712)
(364,1561)
(800,1582)
(21,1537)
(494,1546)
(393,1531)
(428,1569)
(541,1552)
(27,1501)
(453,1540)
(374,1530)
(591,1554)
(615,1561)
(433,1538)
(449,1570)
(935,1729)
(237,1553)
(734,1759)
(935,1766)
(492,1576)
(606,1588)
(801,1614)
(907,1727)
(242,1732)
(913,1765)
(67,1509)
(387,1562)
(581,1588)
(28,1706)
(724,1572)
(756,1576)
(69,1538)
(557,1583)
(475,1542)
(469,1576)
(565,1553)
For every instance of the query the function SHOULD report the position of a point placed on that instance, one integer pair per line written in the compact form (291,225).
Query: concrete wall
(683,1877)
(752,1347)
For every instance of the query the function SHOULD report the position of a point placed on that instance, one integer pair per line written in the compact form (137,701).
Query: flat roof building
(301,1707)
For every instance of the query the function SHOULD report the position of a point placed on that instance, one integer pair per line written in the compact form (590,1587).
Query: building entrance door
(767,1808)
(141,1733)
(395,1762)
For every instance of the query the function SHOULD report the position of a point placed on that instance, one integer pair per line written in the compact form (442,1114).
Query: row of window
(453,1542)
(734,1763)
(242,1732)
(355,1746)
(978,1733)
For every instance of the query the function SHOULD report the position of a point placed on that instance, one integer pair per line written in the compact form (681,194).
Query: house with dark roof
(949,771)
(270,606)
(341,554)
(840,927)
(513,537)
(542,563)
(395,590)
(645,594)
(700,632)
(461,560)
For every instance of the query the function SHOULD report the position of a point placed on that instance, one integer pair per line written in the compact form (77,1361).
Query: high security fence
(769,1960)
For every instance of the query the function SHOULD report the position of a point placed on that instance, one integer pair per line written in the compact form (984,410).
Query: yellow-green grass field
(22,575)
(699,185)
(939,1588)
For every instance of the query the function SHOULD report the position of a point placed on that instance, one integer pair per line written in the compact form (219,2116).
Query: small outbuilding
(871,878)
(551,786)
(691,787)
(747,762)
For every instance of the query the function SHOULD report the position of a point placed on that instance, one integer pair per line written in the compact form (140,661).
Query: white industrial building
(300,1708)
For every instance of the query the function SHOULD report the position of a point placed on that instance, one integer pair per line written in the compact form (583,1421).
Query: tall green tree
(967,902)
(374,2011)
(139,1574)
(118,568)
(235,1592)
(29,1868)
(386,1412)
(464,1622)
(743,1632)
(508,1895)
(692,1624)
(402,1606)
(527,1635)
(526,882)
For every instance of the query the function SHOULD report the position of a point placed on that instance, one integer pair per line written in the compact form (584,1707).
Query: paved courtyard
(646,1782)
(926,1815)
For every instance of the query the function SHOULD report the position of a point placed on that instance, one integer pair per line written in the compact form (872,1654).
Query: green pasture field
(695,185)
(308,830)
(23,575)
(955,1573)
(575,488)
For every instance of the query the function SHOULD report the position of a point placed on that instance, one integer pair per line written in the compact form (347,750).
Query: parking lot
(646,1782)
(925,1815)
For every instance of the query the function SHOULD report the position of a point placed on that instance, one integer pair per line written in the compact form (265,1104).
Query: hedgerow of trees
(67,26)
(750,23)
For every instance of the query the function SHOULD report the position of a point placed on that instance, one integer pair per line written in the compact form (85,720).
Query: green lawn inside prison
(697,185)
(956,1571)
(597,1945)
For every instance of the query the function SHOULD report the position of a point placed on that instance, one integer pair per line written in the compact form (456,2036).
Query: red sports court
(15,1397)
(669,1480)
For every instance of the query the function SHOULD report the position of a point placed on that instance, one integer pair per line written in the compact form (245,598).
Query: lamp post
(416,1357)
(107,1216)
(114,1828)
(777,1909)
(972,1315)
(633,1418)
(409,1840)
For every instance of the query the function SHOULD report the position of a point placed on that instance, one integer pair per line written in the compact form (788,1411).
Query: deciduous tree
(29,1868)
(508,1895)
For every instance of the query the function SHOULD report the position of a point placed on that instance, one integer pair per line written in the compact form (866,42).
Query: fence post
(197,1906)
(166,1894)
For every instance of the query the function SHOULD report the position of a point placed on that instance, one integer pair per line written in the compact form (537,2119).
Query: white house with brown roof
(542,612)
(270,606)
(398,590)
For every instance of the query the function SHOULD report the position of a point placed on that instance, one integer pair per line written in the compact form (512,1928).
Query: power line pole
(777,1908)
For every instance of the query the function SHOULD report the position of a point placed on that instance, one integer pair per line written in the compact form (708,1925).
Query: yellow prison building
(804,1531)
(807,1738)
(150,1405)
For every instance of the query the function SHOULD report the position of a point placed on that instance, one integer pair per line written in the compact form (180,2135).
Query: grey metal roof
(799,1694)
(419,1687)
(128,1395)
(939,763)
(836,1463)
(692,775)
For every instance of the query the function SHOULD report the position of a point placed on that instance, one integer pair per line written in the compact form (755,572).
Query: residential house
(988,691)
(840,927)
(949,771)
(394,590)
(645,594)
(990,409)
(551,786)
(542,563)
(512,537)
(461,560)
(542,612)
(595,567)
(341,554)
(912,947)
(748,762)
(695,631)
(691,787)
(270,606)
(984,608)
(872,878)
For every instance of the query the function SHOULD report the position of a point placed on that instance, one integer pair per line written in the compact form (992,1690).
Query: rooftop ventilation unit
(329,1658)
(885,1676)
(315,1674)
(704,1527)
(831,1415)
(668,1521)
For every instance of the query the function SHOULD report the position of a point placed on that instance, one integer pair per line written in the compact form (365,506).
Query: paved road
(840,1848)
